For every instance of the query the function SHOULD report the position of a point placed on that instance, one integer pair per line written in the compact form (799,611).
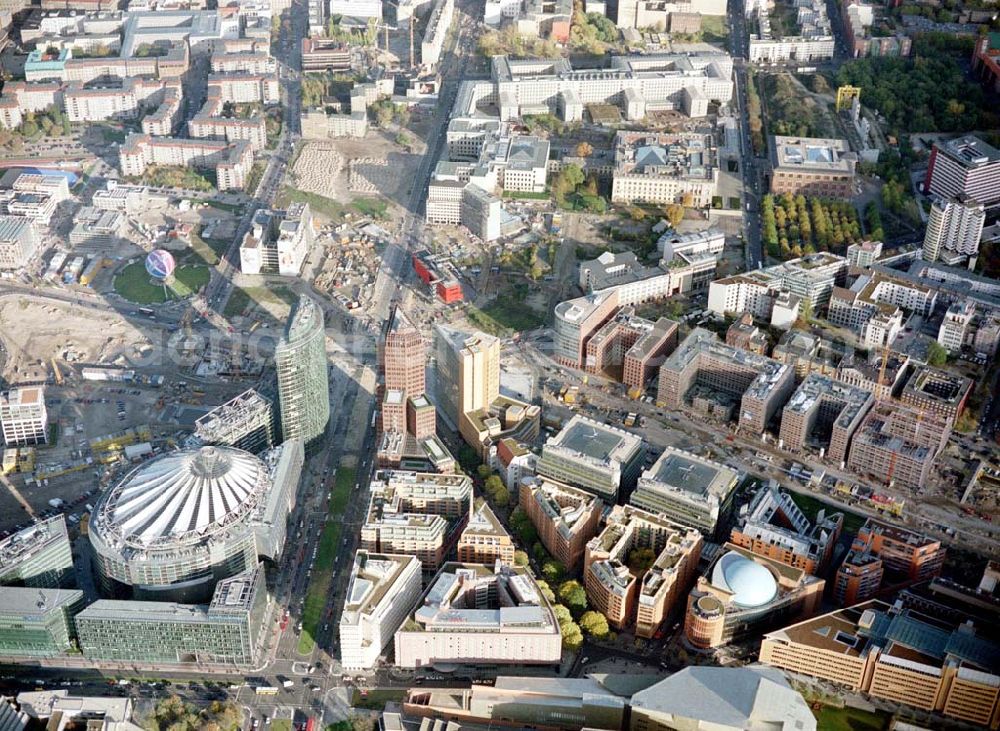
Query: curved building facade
(176,525)
(303,383)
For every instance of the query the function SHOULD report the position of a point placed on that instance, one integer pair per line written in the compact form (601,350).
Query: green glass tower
(303,382)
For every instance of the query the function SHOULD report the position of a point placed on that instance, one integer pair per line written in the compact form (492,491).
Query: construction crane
(56,373)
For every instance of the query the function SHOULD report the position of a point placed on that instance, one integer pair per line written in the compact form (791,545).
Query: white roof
(188,493)
(751,583)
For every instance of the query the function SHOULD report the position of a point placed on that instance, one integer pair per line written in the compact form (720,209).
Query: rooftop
(813,154)
(599,442)
(686,472)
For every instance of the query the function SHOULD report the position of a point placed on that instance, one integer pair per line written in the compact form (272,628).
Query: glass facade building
(228,630)
(40,556)
(37,622)
(303,381)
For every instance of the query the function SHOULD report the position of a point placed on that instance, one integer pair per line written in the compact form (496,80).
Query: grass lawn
(324,206)
(376,699)
(319,587)
(281,724)
(374,207)
(244,297)
(810,506)
(134,283)
(714,28)
(829,718)
(208,250)
(256,173)
(502,315)
(223,206)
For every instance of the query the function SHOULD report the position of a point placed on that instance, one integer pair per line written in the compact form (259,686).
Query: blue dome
(752,584)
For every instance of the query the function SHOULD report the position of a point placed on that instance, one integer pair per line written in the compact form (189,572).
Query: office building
(180,522)
(898,654)
(965,166)
(356,8)
(403,356)
(278,241)
(713,379)
(472,615)
(811,279)
(565,517)
(897,445)
(883,553)
(416,514)
(882,374)
(434,38)
(634,282)
(245,422)
(593,702)
(595,457)
(38,622)
(58,710)
(626,592)
(858,578)
(23,418)
(664,168)
(744,594)
(515,462)
(753,293)
(937,392)
(812,167)
(630,347)
(823,414)
(808,353)
(954,230)
(18,242)
(485,540)
(864,255)
(956,325)
(230,630)
(468,377)
(38,556)
(303,381)
(11,719)
(576,320)
(381,592)
(688,489)
(722,699)
(772,525)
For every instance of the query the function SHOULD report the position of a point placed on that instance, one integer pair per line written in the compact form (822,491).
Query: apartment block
(772,525)
(231,161)
(485,540)
(812,167)
(278,241)
(472,614)
(623,593)
(380,593)
(565,517)
(744,335)
(897,445)
(596,457)
(878,298)
(664,168)
(954,230)
(824,414)
(898,654)
(965,166)
(858,578)
(882,374)
(418,514)
(938,392)
(707,376)
(956,325)
(18,242)
(23,417)
(906,555)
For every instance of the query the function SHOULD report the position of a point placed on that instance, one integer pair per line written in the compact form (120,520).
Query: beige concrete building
(898,654)
(937,392)
(619,587)
(744,594)
(664,168)
(470,615)
(709,377)
(823,414)
(416,513)
(812,166)
(565,517)
(484,539)
(381,591)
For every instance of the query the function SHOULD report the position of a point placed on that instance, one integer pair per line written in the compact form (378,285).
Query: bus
(265,690)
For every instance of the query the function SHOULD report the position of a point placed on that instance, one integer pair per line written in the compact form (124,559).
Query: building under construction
(245,422)
(897,445)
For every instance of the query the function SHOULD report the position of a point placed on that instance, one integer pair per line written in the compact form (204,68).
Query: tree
(562,614)
(584,149)
(594,624)
(574,596)
(552,570)
(484,471)
(936,354)
(523,528)
(640,559)
(29,128)
(674,213)
(544,589)
(572,637)
(520,559)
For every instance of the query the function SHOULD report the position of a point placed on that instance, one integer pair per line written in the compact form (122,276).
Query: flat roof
(690,473)
(595,440)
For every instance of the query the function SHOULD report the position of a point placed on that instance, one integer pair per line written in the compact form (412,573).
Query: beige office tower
(468,375)
(403,356)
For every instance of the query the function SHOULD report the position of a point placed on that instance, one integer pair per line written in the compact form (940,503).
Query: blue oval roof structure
(752,584)
(70,176)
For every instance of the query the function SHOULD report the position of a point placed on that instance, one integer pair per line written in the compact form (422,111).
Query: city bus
(265,690)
